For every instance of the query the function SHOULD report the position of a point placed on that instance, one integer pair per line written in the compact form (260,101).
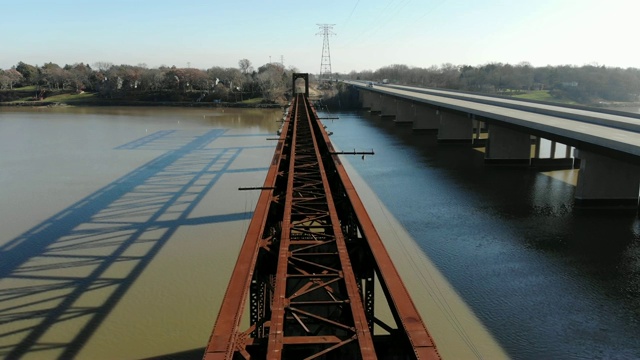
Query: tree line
(139,82)
(586,84)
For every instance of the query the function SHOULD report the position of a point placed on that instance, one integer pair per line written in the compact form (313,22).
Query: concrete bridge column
(606,182)
(506,146)
(405,112)
(376,103)
(388,106)
(426,118)
(566,162)
(455,127)
(479,127)
(367,99)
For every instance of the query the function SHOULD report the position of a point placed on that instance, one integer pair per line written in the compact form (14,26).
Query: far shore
(45,103)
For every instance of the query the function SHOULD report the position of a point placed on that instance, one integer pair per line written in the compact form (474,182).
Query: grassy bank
(24,97)
(544,95)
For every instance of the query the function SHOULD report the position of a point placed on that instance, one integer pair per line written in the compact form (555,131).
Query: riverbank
(25,99)
(141,103)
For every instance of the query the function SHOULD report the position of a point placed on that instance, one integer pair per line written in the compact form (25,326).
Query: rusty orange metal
(309,264)
(226,337)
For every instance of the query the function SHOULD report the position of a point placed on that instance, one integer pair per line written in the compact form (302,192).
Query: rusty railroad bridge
(310,263)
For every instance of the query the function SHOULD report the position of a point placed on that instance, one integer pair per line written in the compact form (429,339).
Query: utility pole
(325,62)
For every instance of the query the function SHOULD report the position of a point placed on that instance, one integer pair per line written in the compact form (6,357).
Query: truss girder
(307,269)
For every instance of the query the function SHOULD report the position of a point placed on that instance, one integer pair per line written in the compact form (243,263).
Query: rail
(309,265)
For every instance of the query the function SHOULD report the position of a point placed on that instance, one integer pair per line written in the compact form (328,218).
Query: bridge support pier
(388,107)
(405,112)
(376,103)
(426,118)
(367,99)
(606,182)
(566,162)
(507,147)
(455,127)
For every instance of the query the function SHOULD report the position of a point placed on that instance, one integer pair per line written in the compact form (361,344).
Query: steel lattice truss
(309,265)
(315,282)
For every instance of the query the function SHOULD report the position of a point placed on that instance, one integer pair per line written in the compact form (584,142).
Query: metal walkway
(309,266)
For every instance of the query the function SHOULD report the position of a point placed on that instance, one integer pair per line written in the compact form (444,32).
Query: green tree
(29,73)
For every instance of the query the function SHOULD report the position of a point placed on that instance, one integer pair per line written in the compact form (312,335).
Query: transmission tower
(325,62)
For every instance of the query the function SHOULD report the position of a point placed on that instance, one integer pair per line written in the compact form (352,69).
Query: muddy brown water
(120,227)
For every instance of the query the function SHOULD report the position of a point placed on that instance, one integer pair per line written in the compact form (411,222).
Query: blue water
(548,280)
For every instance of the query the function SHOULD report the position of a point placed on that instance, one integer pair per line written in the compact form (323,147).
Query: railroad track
(309,265)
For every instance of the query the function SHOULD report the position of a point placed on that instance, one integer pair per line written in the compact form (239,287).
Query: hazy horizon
(368,35)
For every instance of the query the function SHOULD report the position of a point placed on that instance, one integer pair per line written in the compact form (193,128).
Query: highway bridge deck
(608,132)
(309,265)
(603,144)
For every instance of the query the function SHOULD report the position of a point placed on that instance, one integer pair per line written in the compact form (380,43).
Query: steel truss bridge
(310,264)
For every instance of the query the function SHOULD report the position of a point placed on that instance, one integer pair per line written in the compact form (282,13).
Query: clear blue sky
(369,33)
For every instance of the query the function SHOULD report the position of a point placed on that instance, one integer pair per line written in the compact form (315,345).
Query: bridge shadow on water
(60,280)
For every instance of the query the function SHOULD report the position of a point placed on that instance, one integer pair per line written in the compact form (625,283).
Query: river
(120,227)
(548,280)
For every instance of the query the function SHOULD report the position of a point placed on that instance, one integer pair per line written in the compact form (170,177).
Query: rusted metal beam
(308,265)
(307,184)
(224,336)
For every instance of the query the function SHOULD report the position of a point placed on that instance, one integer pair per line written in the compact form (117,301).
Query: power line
(325,62)
(388,13)
(352,10)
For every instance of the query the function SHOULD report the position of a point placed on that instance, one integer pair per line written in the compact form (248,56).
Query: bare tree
(245,66)
(102,66)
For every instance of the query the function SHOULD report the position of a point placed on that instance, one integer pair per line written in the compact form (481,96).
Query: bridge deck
(309,266)
(607,132)
(612,118)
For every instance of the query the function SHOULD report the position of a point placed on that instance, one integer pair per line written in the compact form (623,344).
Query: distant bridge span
(607,143)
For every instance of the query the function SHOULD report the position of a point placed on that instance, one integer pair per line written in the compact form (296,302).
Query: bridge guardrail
(632,124)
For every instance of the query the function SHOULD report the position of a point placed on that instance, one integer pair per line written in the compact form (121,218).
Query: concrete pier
(553,162)
(369,100)
(388,106)
(426,118)
(405,112)
(508,147)
(455,127)
(376,103)
(606,182)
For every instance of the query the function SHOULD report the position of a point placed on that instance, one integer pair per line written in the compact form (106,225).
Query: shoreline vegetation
(337,96)
(118,102)
(269,86)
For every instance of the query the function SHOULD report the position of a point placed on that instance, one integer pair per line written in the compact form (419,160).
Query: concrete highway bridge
(605,143)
